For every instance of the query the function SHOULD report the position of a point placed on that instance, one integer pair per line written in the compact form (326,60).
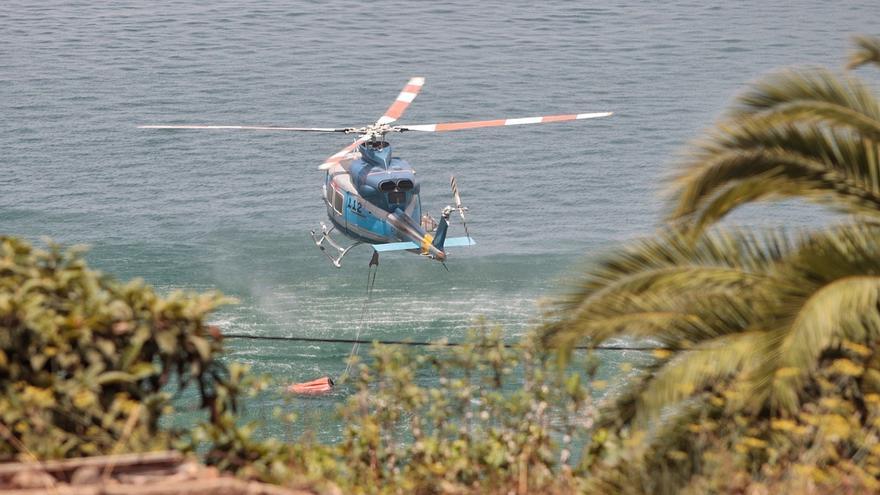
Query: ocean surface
(231,211)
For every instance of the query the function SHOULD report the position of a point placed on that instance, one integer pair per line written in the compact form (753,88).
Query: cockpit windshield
(397,197)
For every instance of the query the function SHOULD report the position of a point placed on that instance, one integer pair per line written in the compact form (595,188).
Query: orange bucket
(318,386)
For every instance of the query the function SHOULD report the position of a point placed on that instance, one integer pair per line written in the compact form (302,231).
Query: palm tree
(762,331)
(868,52)
(806,134)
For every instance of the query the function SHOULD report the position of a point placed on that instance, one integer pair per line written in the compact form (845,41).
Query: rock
(189,470)
(329,488)
(85,475)
(209,473)
(32,479)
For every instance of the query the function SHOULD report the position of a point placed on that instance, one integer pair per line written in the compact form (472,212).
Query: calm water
(232,211)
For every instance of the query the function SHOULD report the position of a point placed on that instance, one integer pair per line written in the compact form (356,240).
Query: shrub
(87,364)
(495,419)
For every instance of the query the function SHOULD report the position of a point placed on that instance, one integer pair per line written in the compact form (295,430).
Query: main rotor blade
(342,154)
(395,111)
(245,127)
(457,126)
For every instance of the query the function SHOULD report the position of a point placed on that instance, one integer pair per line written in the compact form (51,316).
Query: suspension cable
(325,340)
(372,271)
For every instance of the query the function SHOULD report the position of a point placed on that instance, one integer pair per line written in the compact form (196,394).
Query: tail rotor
(458,206)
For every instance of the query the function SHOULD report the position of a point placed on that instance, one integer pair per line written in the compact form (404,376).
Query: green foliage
(498,420)
(771,377)
(88,366)
(86,362)
(830,444)
(236,447)
(494,419)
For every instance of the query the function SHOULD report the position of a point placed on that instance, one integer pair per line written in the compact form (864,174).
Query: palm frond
(734,178)
(868,52)
(839,149)
(673,292)
(643,263)
(712,361)
(819,85)
(812,133)
(833,295)
(751,318)
(820,112)
(845,309)
(619,408)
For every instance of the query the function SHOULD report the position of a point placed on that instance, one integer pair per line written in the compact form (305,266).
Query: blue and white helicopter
(372,197)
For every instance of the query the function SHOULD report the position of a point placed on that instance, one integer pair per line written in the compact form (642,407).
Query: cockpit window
(337,201)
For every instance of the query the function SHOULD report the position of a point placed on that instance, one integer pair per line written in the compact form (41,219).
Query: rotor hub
(373,131)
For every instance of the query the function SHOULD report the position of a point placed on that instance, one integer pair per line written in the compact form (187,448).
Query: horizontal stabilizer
(404,246)
(395,246)
(459,242)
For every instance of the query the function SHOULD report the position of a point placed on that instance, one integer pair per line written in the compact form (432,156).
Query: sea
(231,211)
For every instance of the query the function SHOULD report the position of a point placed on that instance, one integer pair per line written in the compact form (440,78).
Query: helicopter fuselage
(374,180)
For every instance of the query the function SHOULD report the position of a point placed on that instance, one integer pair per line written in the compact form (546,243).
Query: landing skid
(324,238)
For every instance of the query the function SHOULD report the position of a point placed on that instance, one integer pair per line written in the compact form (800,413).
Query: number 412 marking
(354,205)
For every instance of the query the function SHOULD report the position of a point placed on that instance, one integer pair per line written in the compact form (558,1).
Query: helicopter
(372,197)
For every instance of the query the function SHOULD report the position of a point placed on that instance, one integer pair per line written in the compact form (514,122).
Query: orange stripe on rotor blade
(396,109)
(558,118)
(455,126)
(411,88)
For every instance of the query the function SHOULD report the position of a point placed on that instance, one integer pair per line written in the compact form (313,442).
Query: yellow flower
(661,353)
(755,443)
(804,469)
(846,367)
(677,455)
(83,399)
(802,431)
(835,426)
(855,348)
(41,397)
(783,424)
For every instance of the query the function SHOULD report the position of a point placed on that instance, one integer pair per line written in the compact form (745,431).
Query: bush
(87,364)
(489,419)
(496,419)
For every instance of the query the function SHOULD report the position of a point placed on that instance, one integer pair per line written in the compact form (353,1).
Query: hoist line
(372,271)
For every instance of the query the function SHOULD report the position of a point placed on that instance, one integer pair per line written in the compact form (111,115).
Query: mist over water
(231,211)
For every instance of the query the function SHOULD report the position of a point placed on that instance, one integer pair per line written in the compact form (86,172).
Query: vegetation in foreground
(86,364)
(773,372)
(90,366)
(770,380)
